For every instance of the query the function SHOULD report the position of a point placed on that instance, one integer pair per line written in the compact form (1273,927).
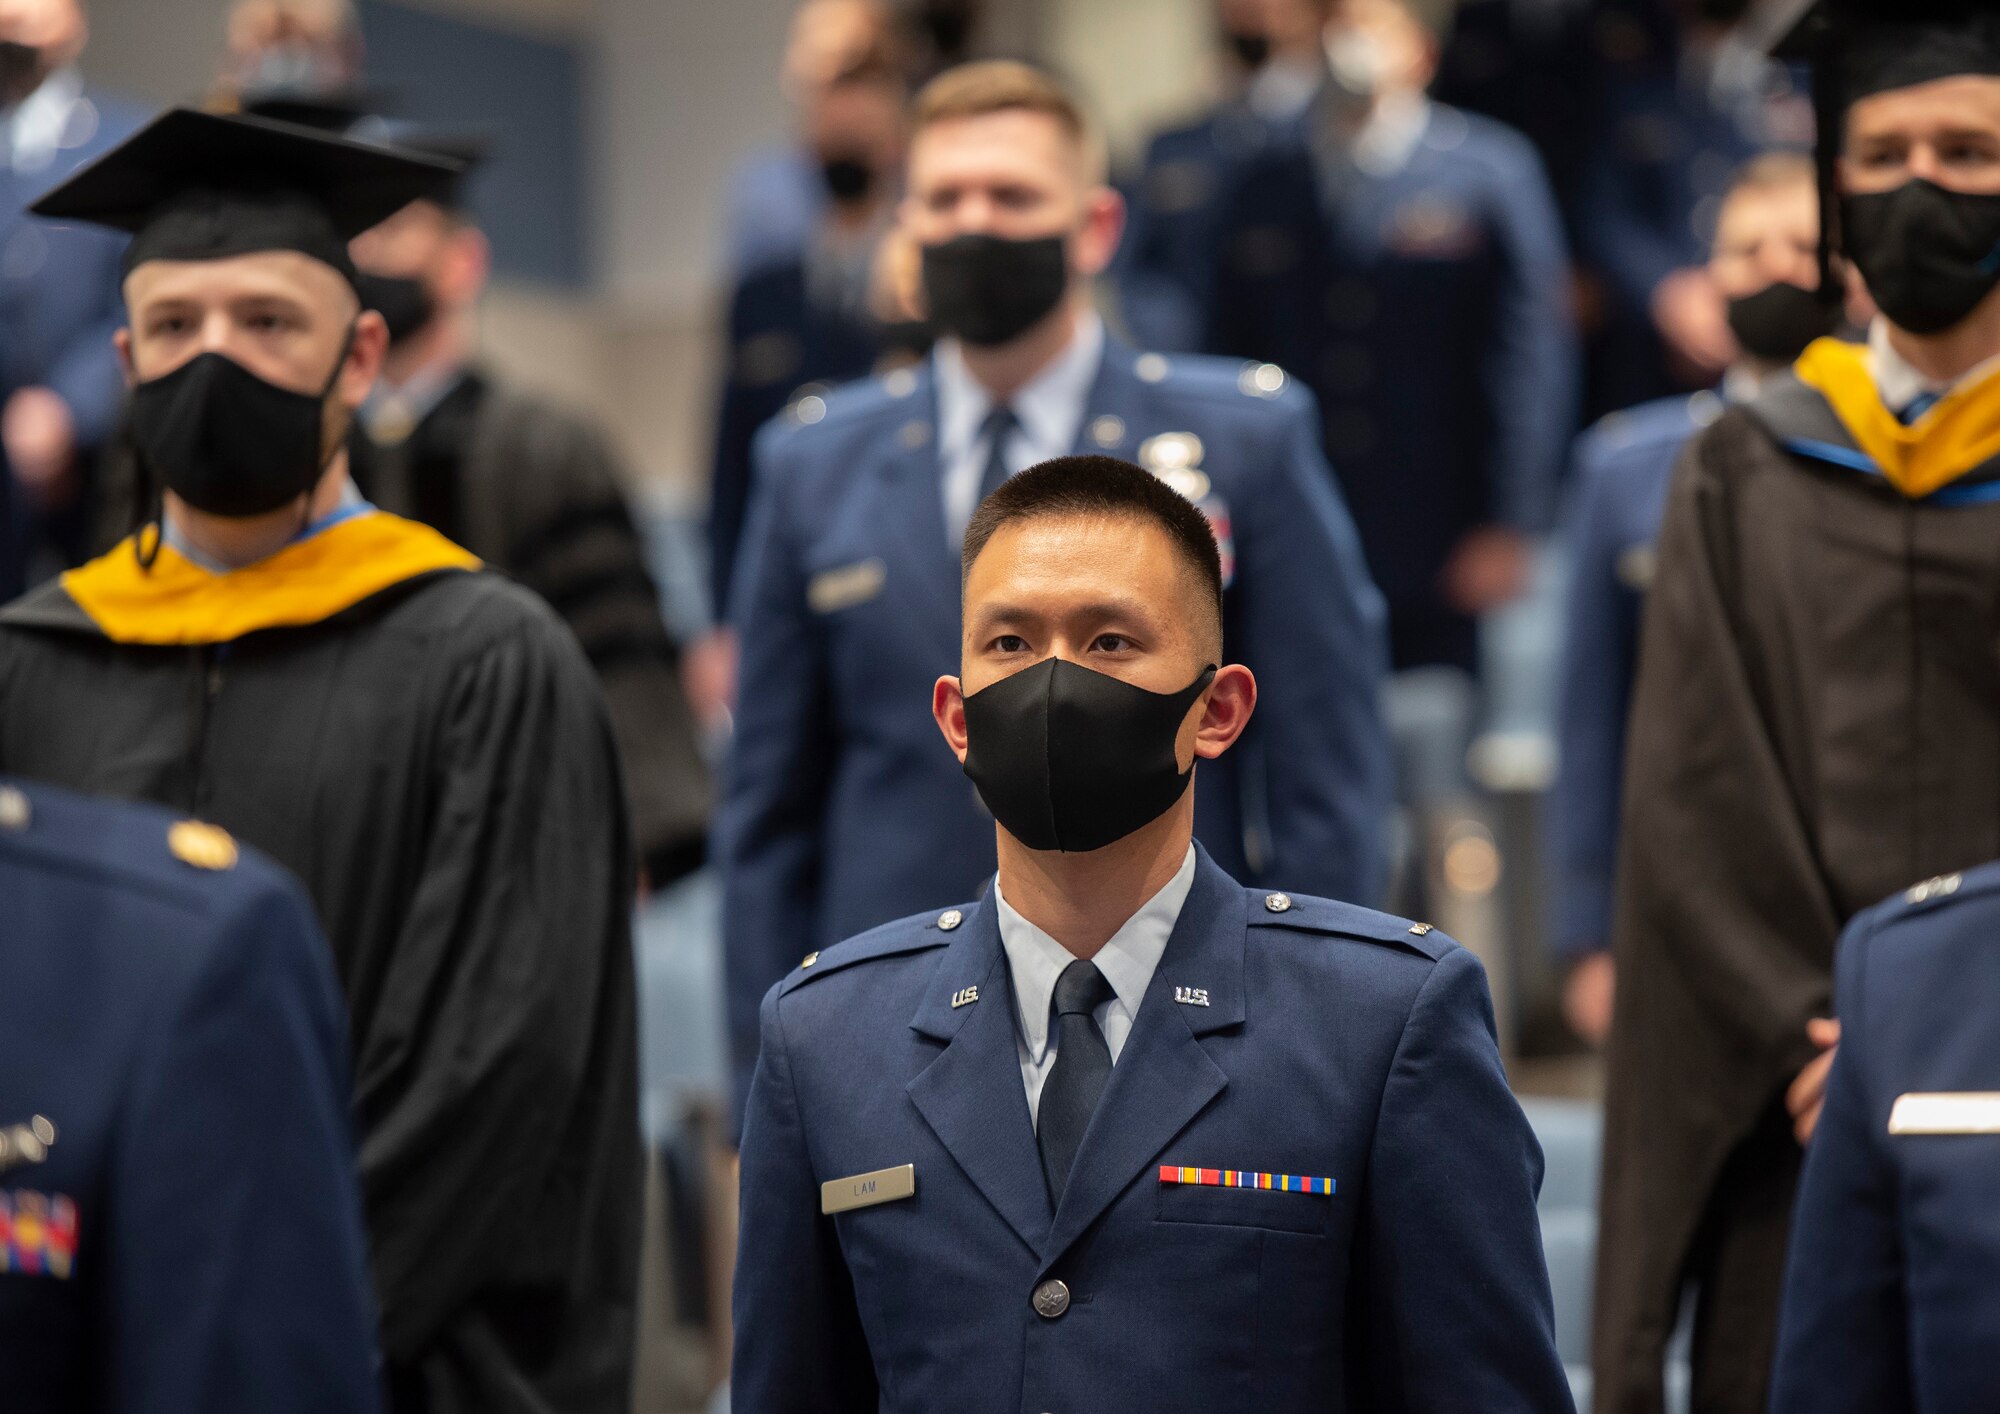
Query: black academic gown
(423,745)
(1816,726)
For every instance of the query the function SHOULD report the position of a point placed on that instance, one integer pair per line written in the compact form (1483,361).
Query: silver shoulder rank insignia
(1191,996)
(15,812)
(26,1143)
(1421,929)
(1940,887)
(964,996)
(1278,903)
(950,919)
(202,846)
(809,959)
(1175,457)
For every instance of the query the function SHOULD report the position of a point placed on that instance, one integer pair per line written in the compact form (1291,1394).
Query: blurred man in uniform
(839,813)
(1126,1135)
(1816,722)
(295,48)
(1678,111)
(532,489)
(420,741)
(180,1225)
(1764,261)
(1892,1286)
(808,320)
(1407,263)
(60,389)
(1273,68)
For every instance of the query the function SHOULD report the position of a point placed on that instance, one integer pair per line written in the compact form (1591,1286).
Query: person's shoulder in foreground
(1892,1295)
(1287,1134)
(180,1222)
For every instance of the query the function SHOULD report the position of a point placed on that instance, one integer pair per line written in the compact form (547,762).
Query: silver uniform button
(950,919)
(1278,903)
(15,813)
(1051,1299)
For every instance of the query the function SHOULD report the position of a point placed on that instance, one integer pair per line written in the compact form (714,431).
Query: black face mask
(403,301)
(1251,50)
(229,443)
(848,179)
(988,290)
(20,69)
(1777,322)
(1929,255)
(1071,759)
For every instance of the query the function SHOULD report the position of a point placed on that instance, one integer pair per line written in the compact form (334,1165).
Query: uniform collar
(1050,405)
(34,131)
(1035,960)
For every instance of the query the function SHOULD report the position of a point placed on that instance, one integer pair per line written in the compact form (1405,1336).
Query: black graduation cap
(1859,48)
(205,186)
(367,115)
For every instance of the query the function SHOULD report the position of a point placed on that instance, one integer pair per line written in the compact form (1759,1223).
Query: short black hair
(1102,486)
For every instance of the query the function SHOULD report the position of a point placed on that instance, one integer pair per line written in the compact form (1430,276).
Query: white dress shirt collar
(1128,962)
(1050,407)
(39,125)
(1899,382)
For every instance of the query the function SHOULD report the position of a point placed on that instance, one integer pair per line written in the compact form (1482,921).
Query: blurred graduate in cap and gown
(420,742)
(1817,718)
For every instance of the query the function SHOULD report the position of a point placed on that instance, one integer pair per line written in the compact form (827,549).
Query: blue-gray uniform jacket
(1166,262)
(1623,465)
(843,807)
(59,306)
(1892,1283)
(1295,1037)
(180,1221)
(1426,308)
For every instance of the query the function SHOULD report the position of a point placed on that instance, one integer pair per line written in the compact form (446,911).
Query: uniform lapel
(913,510)
(1114,416)
(972,1095)
(1164,1077)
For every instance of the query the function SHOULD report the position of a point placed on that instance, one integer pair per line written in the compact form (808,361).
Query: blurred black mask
(20,69)
(1251,50)
(1929,255)
(947,24)
(988,289)
(848,179)
(1072,759)
(404,302)
(1777,322)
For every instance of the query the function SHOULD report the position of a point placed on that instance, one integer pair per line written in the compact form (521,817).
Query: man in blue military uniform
(60,387)
(180,1219)
(1764,263)
(1274,67)
(1892,1282)
(838,812)
(1407,263)
(1126,1135)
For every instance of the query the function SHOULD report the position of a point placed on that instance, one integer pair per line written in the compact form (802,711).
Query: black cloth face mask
(848,179)
(229,443)
(1777,322)
(20,69)
(1929,255)
(403,301)
(1073,760)
(988,289)
(1251,50)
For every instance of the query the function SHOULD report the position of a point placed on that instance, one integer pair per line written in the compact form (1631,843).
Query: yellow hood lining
(1958,435)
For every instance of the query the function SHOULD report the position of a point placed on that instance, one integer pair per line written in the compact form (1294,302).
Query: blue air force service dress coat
(180,1215)
(1426,309)
(843,808)
(1305,1187)
(1892,1287)
(1623,466)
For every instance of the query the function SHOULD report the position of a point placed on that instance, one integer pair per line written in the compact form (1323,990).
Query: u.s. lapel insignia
(1191,996)
(37,1233)
(964,996)
(26,1143)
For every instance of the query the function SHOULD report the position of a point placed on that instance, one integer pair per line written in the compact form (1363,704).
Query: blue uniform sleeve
(1594,697)
(1842,1341)
(776,782)
(1531,368)
(800,1348)
(1311,625)
(238,1278)
(1452,1291)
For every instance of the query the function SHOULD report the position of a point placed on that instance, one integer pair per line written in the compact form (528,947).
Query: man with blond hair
(840,813)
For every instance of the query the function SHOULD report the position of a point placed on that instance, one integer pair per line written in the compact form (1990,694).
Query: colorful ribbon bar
(37,1234)
(1238,1178)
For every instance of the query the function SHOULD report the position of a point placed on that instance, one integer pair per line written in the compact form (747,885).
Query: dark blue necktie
(998,429)
(1076,1080)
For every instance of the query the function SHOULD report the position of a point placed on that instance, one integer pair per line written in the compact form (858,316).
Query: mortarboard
(1859,48)
(204,186)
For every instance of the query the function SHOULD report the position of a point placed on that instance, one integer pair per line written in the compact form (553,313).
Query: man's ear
(1232,697)
(364,359)
(122,342)
(1103,228)
(948,711)
(468,261)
